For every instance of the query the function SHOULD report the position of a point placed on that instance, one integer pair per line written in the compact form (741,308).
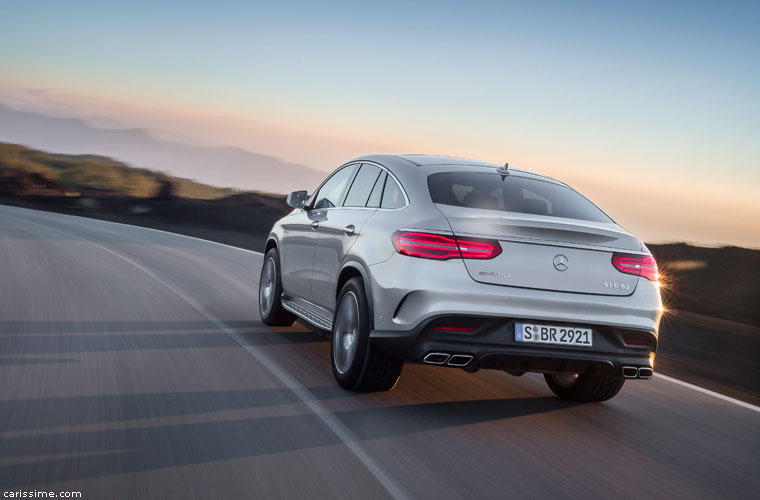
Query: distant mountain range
(218,166)
(31,172)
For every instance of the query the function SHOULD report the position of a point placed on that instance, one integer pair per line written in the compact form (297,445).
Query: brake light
(639,265)
(442,247)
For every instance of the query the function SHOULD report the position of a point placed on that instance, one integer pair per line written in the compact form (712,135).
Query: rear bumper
(492,345)
(407,292)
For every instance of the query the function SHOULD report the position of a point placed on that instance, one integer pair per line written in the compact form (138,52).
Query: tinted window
(511,194)
(362,185)
(377,191)
(392,195)
(331,191)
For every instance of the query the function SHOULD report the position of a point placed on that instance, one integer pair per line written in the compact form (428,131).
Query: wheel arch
(355,269)
(271,243)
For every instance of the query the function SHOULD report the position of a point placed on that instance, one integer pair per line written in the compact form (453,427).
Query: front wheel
(583,387)
(270,290)
(355,364)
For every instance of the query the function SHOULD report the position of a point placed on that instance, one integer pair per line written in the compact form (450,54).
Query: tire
(356,366)
(270,291)
(585,388)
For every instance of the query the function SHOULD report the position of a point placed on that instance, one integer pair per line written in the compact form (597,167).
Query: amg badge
(492,274)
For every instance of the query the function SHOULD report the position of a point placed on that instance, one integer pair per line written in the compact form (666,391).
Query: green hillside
(83,172)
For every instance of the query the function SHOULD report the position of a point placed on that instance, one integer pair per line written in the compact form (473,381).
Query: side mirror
(297,199)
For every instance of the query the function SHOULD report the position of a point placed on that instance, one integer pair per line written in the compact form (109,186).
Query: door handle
(349,230)
(315,225)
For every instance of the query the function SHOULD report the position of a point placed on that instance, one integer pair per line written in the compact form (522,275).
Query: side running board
(312,313)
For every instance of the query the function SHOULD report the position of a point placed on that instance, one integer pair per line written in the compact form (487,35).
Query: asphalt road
(133,364)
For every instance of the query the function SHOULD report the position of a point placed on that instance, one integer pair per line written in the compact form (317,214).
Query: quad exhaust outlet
(442,358)
(436,358)
(460,360)
(644,373)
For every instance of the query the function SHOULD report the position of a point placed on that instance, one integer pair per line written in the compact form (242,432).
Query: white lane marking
(714,394)
(40,212)
(658,375)
(316,406)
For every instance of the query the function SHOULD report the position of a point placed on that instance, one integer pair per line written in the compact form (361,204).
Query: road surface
(133,364)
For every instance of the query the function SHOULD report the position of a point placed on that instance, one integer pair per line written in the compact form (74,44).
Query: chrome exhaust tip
(460,360)
(645,373)
(630,372)
(436,358)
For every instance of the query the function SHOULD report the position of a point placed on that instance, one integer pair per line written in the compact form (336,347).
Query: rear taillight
(639,265)
(441,247)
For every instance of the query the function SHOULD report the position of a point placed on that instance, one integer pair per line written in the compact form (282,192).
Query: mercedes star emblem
(561,262)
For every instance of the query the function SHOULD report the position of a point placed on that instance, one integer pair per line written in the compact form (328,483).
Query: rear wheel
(355,364)
(270,290)
(582,387)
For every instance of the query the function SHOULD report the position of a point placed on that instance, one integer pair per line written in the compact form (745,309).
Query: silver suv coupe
(459,263)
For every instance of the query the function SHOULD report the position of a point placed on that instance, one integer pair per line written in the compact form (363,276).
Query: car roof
(426,160)
(434,163)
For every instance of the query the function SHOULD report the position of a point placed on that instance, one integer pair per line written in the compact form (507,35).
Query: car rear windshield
(511,193)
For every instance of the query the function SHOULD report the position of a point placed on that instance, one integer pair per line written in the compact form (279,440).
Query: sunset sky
(652,109)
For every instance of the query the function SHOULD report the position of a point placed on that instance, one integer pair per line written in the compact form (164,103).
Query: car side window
(331,192)
(363,183)
(392,195)
(377,191)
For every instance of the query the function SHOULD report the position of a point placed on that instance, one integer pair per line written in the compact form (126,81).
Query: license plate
(553,334)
